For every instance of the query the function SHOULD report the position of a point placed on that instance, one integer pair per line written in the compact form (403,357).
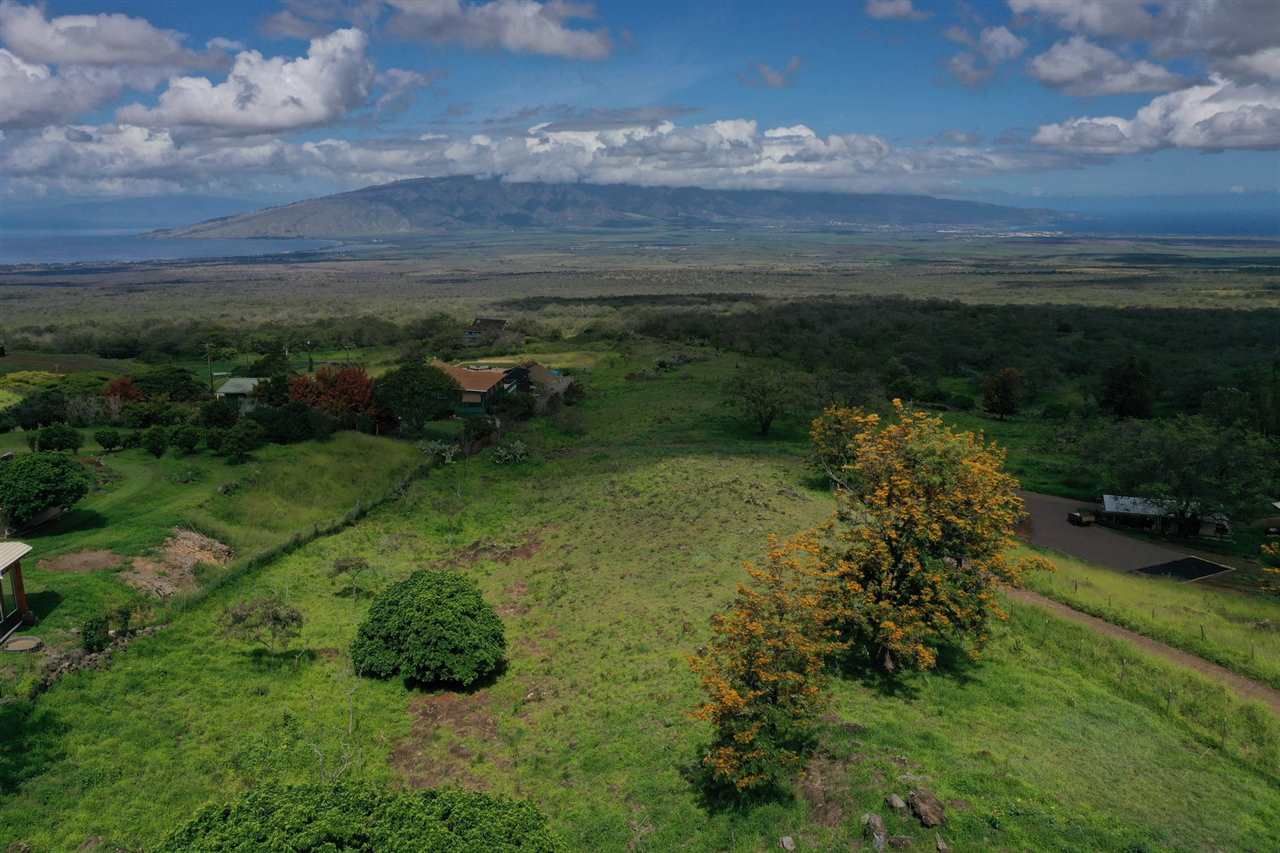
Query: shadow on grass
(44,602)
(953,663)
(266,660)
(31,743)
(454,687)
(715,797)
(78,520)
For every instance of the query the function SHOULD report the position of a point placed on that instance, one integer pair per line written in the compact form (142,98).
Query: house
(480,383)
(483,329)
(14,610)
(1146,514)
(546,383)
(240,389)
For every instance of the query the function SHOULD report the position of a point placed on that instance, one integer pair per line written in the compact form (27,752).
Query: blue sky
(1016,99)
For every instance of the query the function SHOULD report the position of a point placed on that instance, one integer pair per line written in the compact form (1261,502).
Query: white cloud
(520,26)
(32,94)
(903,10)
(95,40)
(1080,67)
(998,44)
(262,95)
(760,74)
(735,153)
(992,46)
(1210,117)
(1260,65)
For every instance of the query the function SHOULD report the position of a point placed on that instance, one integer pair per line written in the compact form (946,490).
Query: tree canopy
(416,394)
(35,482)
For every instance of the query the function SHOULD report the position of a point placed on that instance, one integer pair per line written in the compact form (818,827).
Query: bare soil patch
(78,562)
(173,568)
(498,552)
(464,715)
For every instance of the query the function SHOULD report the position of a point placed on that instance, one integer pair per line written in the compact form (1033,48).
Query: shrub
(55,437)
(510,453)
(514,405)
(108,439)
(131,440)
(364,817)
(155,440)
(33,483)
(242,439)
(95,634)
(266,620)
(186,439)
(431,627)
(219,412)
(214,438)
(151,413)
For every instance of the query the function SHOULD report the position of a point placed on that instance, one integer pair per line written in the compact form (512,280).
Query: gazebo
(14,610)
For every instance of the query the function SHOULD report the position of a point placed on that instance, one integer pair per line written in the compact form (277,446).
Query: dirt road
(1246,687)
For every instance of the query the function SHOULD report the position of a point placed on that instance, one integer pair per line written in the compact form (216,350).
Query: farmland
(605,555)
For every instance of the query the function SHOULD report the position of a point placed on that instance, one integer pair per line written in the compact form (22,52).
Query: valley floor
(605,557)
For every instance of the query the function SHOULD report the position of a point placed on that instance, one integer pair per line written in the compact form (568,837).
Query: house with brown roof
(480,383)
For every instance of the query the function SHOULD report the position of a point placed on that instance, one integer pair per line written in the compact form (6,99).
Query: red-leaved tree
(338,392)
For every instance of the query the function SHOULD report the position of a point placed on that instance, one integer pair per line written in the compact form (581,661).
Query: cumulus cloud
(32,94)
(903,10)
(1080,67)
(1213,116)
(262,95)
(1218,28)
(96,40)
(308,19)
(759,74)
(991,47)
(734,153)
(520,26)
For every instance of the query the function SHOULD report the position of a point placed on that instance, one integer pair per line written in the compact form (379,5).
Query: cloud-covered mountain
(440,205)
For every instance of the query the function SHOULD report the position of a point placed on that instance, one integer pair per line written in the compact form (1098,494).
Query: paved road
(1247,687)
(1047,527)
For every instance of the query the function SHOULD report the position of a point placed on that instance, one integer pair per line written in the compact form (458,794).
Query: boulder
(927,807)
(900,842)
(941,845)
(895,802)
(786,842)
(874,829)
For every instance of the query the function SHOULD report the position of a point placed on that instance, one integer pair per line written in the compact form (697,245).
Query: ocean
(55,247)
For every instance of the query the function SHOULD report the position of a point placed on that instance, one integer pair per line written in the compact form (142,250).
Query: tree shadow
(74,520)
(31,744)
(953,663)
(266,660)
(716,797)
(44,602)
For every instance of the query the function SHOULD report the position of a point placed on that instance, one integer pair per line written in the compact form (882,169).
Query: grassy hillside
(1238,631)
(605,556)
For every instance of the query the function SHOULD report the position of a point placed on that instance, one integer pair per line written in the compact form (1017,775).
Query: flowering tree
(918,546)
(344,391)
(763,670)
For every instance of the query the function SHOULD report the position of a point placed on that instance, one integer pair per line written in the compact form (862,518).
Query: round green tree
(432,627)
(362,817)
(33,483)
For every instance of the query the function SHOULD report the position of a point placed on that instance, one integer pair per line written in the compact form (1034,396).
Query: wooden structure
(241,390)
(14,610)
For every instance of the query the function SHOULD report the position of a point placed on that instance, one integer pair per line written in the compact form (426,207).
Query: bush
(186,439)
(155,440)
(33,483)
(365,817)
(152,413)
(219,412)
(54,438)
(431,627)
(510,453)
(241,440)
(266,620)
(215,438)
(131,440)
(95,634)
(514,405)
(108,439)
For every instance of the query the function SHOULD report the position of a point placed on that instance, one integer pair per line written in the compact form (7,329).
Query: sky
(282,99)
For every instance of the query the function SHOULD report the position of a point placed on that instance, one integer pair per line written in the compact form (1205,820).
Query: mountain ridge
(444,205)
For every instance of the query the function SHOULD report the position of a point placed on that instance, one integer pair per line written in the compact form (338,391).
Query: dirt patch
(497,552)
(514,606)
(463,716)
(81,561)
(173,568)
(825,787)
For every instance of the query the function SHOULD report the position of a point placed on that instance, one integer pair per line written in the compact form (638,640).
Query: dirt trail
(1246,687)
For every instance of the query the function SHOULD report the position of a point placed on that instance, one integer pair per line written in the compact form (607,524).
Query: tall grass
(1238,631)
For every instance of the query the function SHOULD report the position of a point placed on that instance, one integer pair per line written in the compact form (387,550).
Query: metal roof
(1132,506)
(239,385)
(12,552)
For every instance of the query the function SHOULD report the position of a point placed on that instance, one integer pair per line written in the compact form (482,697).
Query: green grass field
(1236,630)
(605,556)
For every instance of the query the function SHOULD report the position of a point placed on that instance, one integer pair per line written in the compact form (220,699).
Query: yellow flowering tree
(918,546)
(763,671)
(1271,566)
